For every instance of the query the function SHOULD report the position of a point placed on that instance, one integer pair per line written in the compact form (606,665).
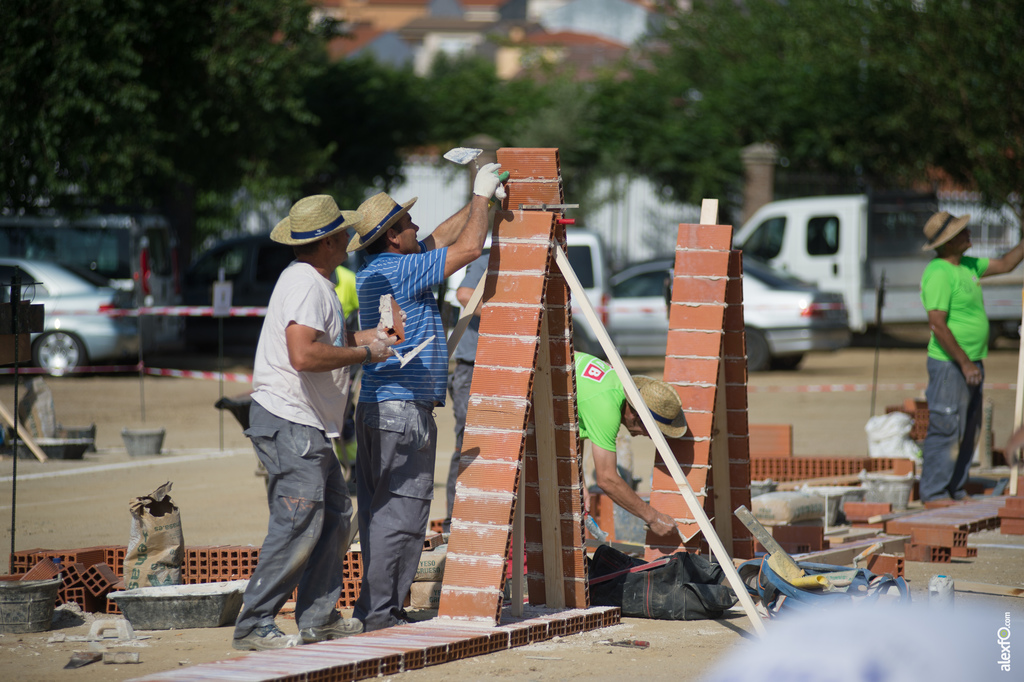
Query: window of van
(582,263)
(766,241)
(823,236)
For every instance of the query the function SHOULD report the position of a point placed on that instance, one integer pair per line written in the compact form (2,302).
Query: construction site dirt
(63,504)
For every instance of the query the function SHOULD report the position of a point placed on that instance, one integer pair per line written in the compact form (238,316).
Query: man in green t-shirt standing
(603,406)
(951,294)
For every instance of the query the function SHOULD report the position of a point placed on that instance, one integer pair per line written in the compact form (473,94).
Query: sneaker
(263,638)
(342,627)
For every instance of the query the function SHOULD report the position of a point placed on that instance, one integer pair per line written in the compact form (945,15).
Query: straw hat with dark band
(664,404)
(942,227)
(313,218)
(380,213)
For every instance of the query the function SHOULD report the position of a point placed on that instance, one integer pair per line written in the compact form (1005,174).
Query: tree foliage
(125,101)
(889,92)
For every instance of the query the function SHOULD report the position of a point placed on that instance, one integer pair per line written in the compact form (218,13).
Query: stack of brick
(525,340)
(705,342)
(802,468)
(86,575)
(797,539)
(1011,516)
(218,563)
(938,544)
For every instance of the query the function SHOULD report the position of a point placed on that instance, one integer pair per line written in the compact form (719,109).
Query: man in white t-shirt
(300,390)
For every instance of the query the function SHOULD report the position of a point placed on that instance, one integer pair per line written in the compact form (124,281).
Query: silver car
(784,317)
(77,330)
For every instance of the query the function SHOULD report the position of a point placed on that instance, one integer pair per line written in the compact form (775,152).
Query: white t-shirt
(317,399)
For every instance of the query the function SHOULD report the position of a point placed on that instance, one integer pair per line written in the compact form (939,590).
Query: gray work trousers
(396,443)
(954,425)
(459,383)
(310,516)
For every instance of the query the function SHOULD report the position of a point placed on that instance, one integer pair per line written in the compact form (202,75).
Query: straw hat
(942,227)
(380,213)
(313,218)
(664,404)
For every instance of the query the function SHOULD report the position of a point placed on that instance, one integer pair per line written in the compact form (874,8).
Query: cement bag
(889,436)
(431,566)
(773,509)
(156,546)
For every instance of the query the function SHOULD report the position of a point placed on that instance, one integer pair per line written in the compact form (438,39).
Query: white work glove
(487,181)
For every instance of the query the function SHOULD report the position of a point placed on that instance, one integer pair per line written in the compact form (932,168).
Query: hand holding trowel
(392,323)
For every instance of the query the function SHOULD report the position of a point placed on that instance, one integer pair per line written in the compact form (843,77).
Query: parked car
(135,252)
(77,331)
(252,263)
(784,317)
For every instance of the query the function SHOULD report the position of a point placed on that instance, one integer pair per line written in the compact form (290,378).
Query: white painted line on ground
(141,461)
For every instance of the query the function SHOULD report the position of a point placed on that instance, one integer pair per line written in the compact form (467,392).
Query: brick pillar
(759,177)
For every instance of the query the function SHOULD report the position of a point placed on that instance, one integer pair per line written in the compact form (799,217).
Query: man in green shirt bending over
(951,294)
(603,407)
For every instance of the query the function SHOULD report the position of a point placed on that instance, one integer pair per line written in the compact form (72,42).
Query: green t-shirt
(599,400)
(956,289)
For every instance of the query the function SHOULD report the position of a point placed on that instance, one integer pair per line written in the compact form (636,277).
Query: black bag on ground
(686,587)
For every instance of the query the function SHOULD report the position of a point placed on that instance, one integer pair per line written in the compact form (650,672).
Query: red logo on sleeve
(592,371)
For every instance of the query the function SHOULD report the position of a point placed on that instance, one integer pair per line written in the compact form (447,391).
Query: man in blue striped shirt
(395,431)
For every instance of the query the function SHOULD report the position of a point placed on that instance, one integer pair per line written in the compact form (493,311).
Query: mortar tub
(835,497)
(177,607)
(887,488)
(59,448)
(27,605)
(143,442)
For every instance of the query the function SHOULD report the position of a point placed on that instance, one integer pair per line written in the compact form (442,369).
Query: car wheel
(758,356)
(58,353)
(787,361)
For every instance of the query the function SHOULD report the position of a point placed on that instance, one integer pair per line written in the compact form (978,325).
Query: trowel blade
(462,155)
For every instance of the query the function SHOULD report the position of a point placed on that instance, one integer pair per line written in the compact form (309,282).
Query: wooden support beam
(466,316)
(721,481)
(547,472)
(23,435)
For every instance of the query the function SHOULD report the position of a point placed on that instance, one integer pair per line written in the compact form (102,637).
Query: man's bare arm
(611,483)
(1007,262)
(307,354)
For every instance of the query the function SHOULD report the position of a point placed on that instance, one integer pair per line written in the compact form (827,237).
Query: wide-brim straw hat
(380,212)
(313,218)
(664,404)
(942,227)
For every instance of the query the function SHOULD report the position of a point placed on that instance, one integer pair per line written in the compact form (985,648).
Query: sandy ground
(67,504)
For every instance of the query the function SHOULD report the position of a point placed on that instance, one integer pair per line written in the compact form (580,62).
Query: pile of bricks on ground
(1011,516)
(782,468)
(89,574)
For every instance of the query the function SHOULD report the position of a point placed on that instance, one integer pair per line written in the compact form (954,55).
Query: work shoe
(342,627)
(263,638)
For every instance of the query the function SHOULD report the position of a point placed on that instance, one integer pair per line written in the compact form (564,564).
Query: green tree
(150,103)
(881,92)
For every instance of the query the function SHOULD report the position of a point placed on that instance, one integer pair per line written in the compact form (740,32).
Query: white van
(589,260)
(136,253)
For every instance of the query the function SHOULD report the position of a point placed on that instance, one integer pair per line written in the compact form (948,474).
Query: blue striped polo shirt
(409,278)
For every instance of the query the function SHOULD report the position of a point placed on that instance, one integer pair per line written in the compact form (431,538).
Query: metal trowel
(462,155)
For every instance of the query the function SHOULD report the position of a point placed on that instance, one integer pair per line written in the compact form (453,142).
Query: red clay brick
(692,344)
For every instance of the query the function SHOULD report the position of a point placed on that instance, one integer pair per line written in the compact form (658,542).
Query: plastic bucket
(835,497)
(887,488)
(143,442)
(27,605)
